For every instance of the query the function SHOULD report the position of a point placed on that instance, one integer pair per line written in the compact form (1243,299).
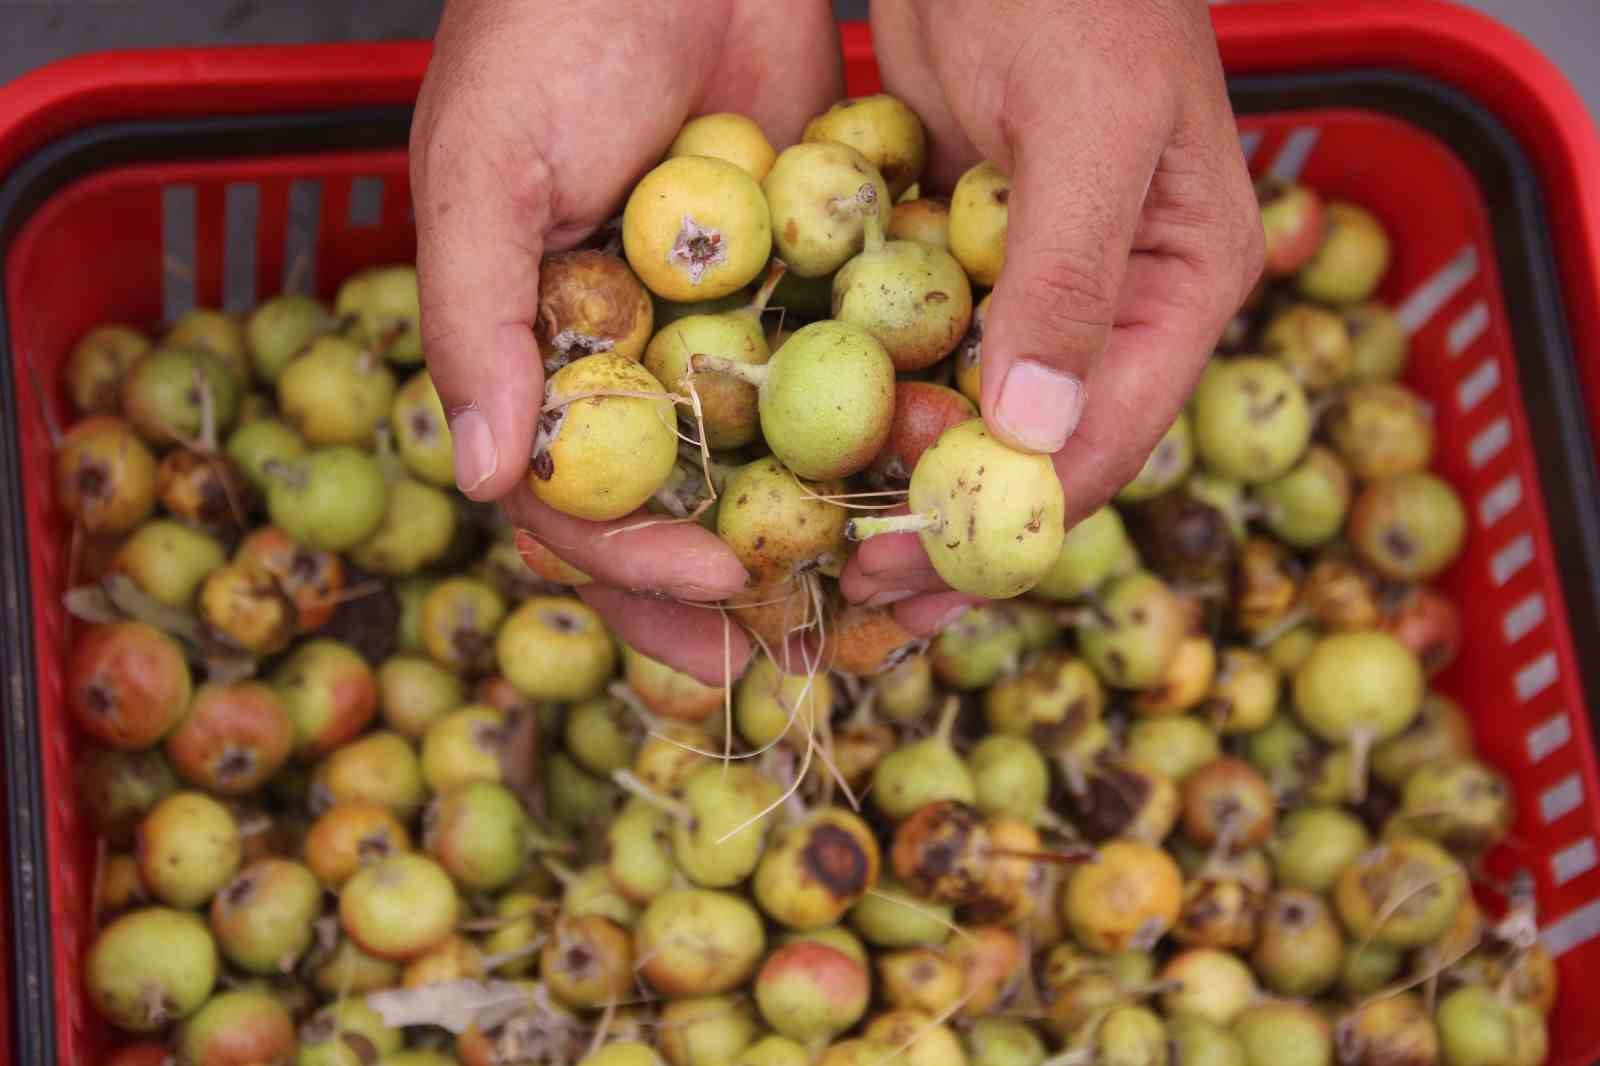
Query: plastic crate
(133,185)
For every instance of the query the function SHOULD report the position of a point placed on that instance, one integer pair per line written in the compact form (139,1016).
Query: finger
(882,589)
(1198,252)
(927,616)
(641,551)
(786,68)
(1079,179)
(699,641)
(481,201)
(1149,369)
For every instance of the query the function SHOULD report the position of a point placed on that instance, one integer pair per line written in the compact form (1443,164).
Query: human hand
(533,122)
(1133,233)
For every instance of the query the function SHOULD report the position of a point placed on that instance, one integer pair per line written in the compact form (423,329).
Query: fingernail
(885,598)
(476,458)
(1039,405)
(950,617)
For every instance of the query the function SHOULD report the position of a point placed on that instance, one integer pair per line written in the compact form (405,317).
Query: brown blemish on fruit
(1002,196)
(937,297)
(836,861)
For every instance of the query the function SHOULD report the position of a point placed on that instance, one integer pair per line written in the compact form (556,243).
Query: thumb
(479,239)
(1073,207)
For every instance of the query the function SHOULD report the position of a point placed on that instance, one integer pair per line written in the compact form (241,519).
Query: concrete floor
(37,31)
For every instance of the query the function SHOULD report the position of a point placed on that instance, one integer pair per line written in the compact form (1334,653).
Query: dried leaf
(91,604)
(453,1005)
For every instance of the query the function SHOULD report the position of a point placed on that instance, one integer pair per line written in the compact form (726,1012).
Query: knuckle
(1067,294)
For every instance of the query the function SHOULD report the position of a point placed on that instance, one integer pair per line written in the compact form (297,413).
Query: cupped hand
(533,122)
(1133,233)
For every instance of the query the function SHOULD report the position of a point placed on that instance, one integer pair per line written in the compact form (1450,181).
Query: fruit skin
(400,907)
(1477,1028)
(336,393)
(668,692)
(553,648)
(978,221)
(422,433)
(150,967)
(1387,1030)
(922,412)
(1409,527)
(128,684)
(827,401)
(698,942)
(233,739)
(350,835)
(1403,893)
(311,577)
(1126,899)
(117,787)
(1314,844)
(380,767)
(730,137)
(679,262)
(105,476)
(1381,342)
(1251,419)
(1139,636)
(1313,342)
(168,560)
(1166,466)
(997,544)
(728,405)
(329,694)
(1352,259)
(1361,681)
(818,195)
(419,522)
(1462,803)
(330,499)
(98,363)
(892,917)
(602,457)
(188,847)
(774,525)
(883,129)
(280,329)
(815,870)
(1307,506)
(383,304)
(1292,218)
(478,832)
(338,1033)
(914,298)
(1381,430)
(1284,1034)
(926,219)
(587,962)
(1299,951)
(245,605)
(218,333)
(1094,550)
(161,394)
(1212,984)
(709,1031)
(262,919)
(809,991)
(590,302)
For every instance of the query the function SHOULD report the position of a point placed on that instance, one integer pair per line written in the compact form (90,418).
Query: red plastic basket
(126,197)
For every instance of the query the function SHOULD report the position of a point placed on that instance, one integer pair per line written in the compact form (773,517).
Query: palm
(534,121)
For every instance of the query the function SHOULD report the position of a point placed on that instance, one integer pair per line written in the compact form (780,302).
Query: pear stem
(775,272)
(750,374)
(872,228)
(629,783)
(947,720)
(862,528)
